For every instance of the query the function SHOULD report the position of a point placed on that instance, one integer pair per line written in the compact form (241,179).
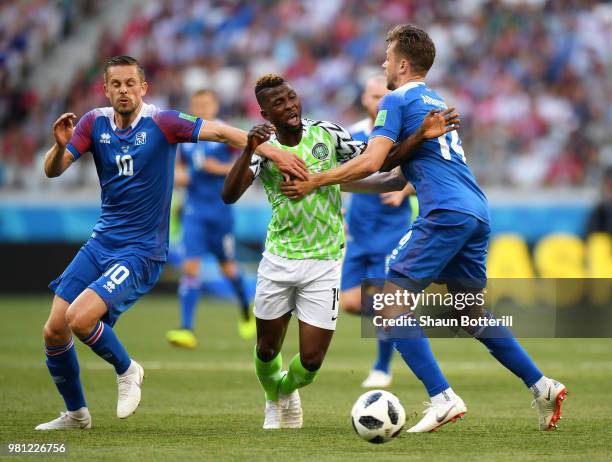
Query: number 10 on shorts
(117,273)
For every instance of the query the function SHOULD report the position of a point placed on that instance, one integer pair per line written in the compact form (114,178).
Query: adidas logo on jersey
(105,138)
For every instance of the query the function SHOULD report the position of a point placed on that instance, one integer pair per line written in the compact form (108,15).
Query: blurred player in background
(207,223)
(376,223)
(133,145)
(448,241)
(300,269)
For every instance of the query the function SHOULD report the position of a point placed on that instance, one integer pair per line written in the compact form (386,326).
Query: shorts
(201,236)
(310,288)
(360,263)
(446,247)
(120,280)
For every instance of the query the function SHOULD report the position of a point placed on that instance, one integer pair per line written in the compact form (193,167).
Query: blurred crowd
(532,78)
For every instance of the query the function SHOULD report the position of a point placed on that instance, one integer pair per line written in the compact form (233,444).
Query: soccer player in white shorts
(301,266)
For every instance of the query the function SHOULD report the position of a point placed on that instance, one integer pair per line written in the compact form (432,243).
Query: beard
(124,110)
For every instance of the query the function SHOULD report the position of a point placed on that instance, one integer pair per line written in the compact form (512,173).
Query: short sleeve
(178,127)
(80,141)
(257,163)
(346,146)
(388,121)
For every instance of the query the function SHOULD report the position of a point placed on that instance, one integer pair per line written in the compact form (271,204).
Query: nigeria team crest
(320,151)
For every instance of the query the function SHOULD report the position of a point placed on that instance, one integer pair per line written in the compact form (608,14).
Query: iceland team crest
(320,151)
(141,138)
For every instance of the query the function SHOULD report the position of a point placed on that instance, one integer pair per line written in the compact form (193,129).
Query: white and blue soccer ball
(378,416)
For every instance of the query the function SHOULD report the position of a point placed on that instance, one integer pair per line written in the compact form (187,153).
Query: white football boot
(80,419)
(129,384)
(291,410)
(549,403)
(272,415)
(440,413)
(377,379)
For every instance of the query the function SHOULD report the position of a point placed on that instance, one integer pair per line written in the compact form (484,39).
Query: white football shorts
(308,288)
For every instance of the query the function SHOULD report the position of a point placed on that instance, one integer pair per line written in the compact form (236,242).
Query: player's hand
(63,128)
(393,198)
(437,123)
(296,189)
(290,165)
(259,134)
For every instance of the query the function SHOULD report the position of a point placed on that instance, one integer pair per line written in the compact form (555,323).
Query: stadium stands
(531,78)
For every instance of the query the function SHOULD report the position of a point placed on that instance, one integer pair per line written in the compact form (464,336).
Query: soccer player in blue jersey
(447,242)
(376,223)
(207,223)
(133,145)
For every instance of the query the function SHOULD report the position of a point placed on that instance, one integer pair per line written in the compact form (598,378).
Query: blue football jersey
(370,222)
(136,171)
(437,169)
(204,190)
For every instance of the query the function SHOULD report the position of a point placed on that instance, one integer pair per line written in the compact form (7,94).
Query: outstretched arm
(434,125)
(240,176)
(379,182)
(287,163)
(57,159)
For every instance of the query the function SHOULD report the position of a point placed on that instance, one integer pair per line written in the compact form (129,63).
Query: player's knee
(312,361)
(350,303)
(79,321)
(191,268)
(266,352)
(54,335)
(350,307)
(229,269)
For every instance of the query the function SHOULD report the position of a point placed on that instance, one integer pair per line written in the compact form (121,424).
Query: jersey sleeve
(257,163)
(81,139)
(346,146)
(388,121)
(178,127)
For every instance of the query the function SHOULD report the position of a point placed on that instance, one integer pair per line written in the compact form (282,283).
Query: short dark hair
(415,45)
(265,82)
(124,61)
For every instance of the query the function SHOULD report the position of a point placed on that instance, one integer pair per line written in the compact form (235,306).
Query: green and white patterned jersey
(309,228)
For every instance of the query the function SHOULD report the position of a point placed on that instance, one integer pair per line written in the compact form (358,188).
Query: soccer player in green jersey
(301,266)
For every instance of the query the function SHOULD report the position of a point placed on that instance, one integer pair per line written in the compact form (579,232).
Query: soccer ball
(378,416)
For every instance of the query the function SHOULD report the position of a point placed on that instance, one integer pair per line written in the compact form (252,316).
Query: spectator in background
(517,70)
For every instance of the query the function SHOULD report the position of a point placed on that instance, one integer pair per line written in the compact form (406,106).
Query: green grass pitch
(206,404)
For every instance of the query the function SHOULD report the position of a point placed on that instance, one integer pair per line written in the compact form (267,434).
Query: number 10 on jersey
(125,164)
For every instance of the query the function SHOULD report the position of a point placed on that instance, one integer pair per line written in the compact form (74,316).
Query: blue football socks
(189,292)
(103,341)
(63,366)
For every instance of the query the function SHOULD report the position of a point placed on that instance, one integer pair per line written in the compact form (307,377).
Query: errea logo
(105,138)
(109,286)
